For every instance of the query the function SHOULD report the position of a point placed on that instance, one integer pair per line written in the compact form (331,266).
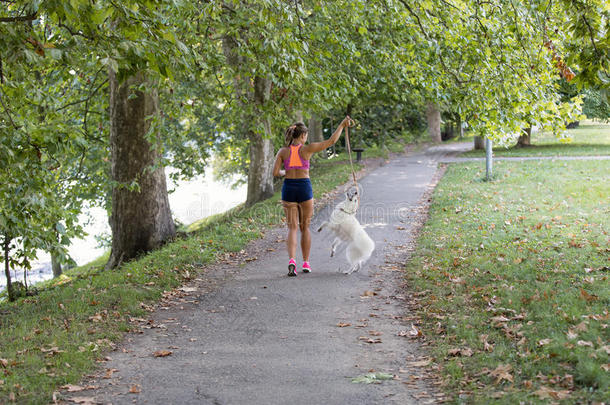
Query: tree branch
(410,10)
(29,17)
(73,33)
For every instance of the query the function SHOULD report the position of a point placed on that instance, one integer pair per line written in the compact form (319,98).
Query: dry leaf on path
(162,353)
(343,324)
(368,293)
(369,340)
(134,389)
(84,400)
(76,388)
(420,363)
(375,333)
(109,372)
(415,332)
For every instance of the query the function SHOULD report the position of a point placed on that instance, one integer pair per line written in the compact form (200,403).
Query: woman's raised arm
(320,146)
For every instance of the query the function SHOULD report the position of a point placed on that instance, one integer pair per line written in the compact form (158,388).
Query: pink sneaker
(292,266)
(306,267)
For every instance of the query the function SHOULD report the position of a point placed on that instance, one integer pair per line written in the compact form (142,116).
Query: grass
(589,139)
(513,283)
(56,337)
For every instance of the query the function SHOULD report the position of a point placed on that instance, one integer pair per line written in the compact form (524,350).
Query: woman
(297,194)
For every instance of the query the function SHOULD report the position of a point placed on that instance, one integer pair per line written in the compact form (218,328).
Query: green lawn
(55,337)
(513,277)
(590,138)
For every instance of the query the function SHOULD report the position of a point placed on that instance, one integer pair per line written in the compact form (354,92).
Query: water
(190,201)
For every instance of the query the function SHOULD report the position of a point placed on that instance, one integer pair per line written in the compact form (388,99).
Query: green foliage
(584,29)
(596,105)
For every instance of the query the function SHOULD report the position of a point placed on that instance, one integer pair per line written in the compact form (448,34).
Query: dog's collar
(347,212)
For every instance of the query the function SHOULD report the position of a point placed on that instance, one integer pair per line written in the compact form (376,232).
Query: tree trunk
(479,142)
(141,219)
(525,137)
(460,127)
(56,265)
(260,173)
(433,115)
(7,268)
(257,93)
(315,132)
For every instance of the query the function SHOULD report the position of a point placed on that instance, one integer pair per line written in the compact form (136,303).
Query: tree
(141,218)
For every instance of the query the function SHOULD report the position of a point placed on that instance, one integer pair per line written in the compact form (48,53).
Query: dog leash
(349,152)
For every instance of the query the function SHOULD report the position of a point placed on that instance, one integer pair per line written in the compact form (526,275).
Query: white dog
(346,228)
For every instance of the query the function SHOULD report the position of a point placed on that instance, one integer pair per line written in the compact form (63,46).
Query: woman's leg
(305,214)
(292,221)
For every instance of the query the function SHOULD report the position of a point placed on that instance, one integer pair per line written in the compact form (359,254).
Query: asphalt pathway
(248,334)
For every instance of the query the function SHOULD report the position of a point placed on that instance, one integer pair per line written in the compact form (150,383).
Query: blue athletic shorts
(297,190)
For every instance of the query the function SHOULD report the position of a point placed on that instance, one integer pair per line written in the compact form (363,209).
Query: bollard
(488,158)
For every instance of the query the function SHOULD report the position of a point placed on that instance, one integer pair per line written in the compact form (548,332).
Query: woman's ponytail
(294,131)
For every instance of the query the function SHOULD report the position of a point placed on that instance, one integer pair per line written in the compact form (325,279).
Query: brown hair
(294,131)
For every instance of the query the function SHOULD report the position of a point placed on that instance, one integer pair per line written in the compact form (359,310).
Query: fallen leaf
(544,342)
(588,297)
(502,372)
(584,343)
(72,388)
(581,327)
(606,367)
(188,289)
(420,363)
(343,324)
(369,340)
(375,333)
(467,352)
(500,319)
(415,332)
(84,400)
(162,353)
(109,372)
(488,347)
(369,293)
(546,392)
(96,318)
(134,389)
(371,378)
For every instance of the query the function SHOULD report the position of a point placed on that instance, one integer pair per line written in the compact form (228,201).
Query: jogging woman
(297,194)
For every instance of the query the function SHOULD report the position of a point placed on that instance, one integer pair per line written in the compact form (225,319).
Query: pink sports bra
(295,161)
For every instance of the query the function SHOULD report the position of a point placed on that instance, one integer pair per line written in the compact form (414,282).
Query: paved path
(255,336)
